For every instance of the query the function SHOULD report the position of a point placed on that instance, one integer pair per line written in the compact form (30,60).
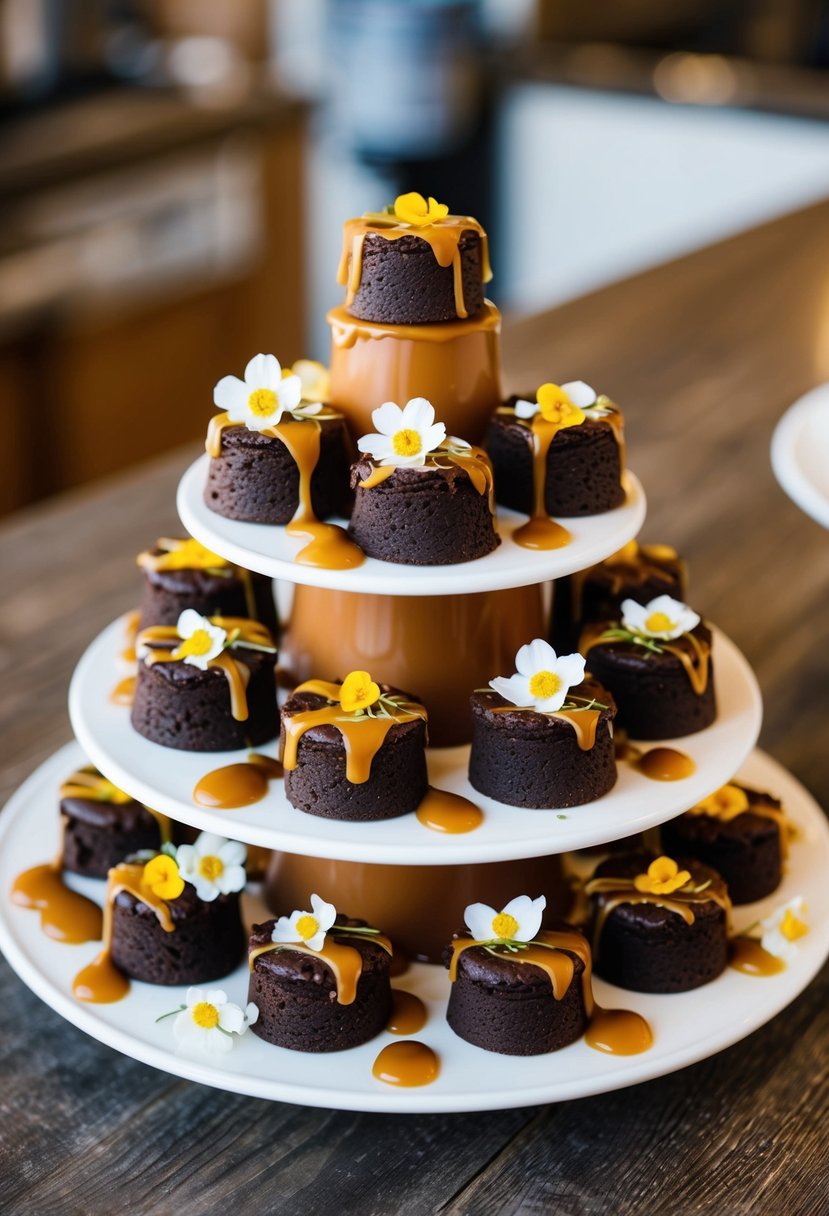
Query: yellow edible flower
(725,803)
(413,209)
(556,406)
(663,877)
(358,692)
(161,876)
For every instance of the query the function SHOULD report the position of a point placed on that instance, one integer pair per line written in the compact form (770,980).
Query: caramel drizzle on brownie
(362,736)
(442,236)
(633,563)
(90,784)
(344,962)
(101,982)
(474,462)
(550,951)
(585,722)
(693,653)
(623,891)
(756,804)
(165,639)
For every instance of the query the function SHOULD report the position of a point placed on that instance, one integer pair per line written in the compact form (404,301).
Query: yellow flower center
(263,402)
(413,208)
(663,877)
(406,443)
(792,927)
(556,407)
(659,622)
(198,643)
(307,926)
(544,684)
(161,876)
(358,691)
(211,867)
(205,1015)
(505,926)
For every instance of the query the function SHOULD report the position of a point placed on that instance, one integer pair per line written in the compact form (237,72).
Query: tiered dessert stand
(414,860)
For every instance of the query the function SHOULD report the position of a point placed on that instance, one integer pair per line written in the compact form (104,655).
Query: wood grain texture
(704,355)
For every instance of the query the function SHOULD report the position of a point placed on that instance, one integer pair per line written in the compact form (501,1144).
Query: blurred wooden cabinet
(128,288)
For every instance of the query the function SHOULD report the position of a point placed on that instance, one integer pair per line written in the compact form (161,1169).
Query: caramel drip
(238,676)
(236,785)
(585,722)
(475,463)
(665,764)
(124,691)
(785,826)
(100,982)
(622,891)
(302,439)
(64,915)
(449,813)
(197,557)
(616,423)
(246,579)
(362,737)
(547,952)
(443,237)
(747,955)
(321,688)
(377,476)
(408,1013)
(541,532)
(693,653)
(618,1032)
(89,783)
(345,963)
(407,1064)
(330,548)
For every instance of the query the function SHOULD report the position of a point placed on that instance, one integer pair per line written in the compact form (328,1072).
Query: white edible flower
(663,618)
(783,928)
(259,400)
(209,1021)
(542,678)
(215,866)
(306,928)
(519,921)
(577,392)
(201,639)
(403,437)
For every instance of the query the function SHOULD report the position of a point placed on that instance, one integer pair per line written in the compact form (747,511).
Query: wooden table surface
(704,354)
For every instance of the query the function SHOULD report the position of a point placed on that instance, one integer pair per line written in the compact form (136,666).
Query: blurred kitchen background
(174,174)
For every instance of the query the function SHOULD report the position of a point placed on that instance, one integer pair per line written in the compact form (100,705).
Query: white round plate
(269,550)
(687,1026)
(164,779)
(800,453)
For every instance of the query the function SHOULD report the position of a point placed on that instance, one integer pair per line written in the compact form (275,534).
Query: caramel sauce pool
(124,691)
(747,955)
(664,764)
(236,785)
(618,1032)
(451,813)
(408,1013)
(64,915)
(100,982)
(406,1064)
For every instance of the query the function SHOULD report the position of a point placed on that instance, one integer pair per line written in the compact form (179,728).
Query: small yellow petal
(358,691)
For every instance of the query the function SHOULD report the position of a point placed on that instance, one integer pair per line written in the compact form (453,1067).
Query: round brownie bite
(320,981)
(656,662)
(658,924)
(562,454)
(543,737)
(636,572)
(180,573)
(420,498)
(741,833)
(517,989)
(355,750)
(102,825)
(206,684)
(413,266)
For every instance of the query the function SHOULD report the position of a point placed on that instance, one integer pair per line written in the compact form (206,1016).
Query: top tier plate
(269,550)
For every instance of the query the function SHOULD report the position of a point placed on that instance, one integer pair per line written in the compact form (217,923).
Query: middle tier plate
(269,550)
(164,780)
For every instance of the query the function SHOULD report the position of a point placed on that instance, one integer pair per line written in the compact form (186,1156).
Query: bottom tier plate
(687,1027)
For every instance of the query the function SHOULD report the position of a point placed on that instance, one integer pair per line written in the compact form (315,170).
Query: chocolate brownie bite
(517,989)
(102,825)
(543,737)
(319,980)
(206,684)
(561,455)
(658,924)
(414,264)
(180,573)
(656,662)
(355,750)
(741,833)
(636,572)
(421,499)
